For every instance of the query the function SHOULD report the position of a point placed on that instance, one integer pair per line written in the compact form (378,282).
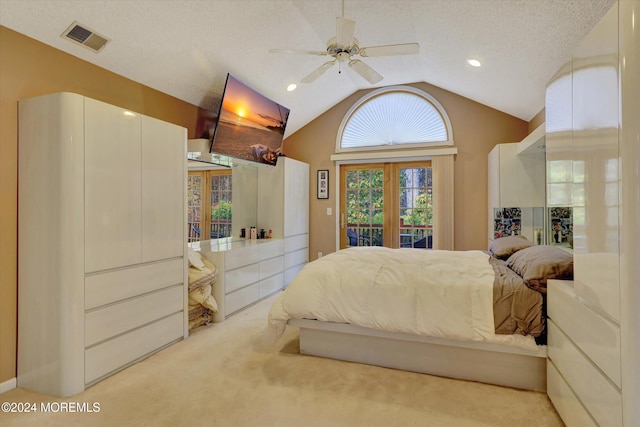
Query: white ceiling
(185,48)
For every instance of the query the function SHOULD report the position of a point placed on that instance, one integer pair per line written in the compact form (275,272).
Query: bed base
(483,362)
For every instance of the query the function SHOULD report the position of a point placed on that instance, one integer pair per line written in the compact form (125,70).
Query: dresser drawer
(271,285)
(239,257)
(106,288)
(104,323)
(271,249)
(596,336)
(271,267)
(300,256)
(293,243)
(241,277)
(241,298)
(566,403)
(114,354)
(597,393)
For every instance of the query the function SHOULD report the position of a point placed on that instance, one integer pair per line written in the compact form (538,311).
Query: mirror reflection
(222,194)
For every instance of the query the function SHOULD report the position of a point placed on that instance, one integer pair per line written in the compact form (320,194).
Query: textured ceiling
(185,48)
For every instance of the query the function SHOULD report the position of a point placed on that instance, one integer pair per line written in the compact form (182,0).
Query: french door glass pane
(221,206)
(194,207)
(415,207)
(364,206)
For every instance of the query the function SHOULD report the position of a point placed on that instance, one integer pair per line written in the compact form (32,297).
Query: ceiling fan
(344,46)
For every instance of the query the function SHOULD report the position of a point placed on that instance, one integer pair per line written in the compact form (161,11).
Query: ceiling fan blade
(365,71)
(300,52)
(318,71)
(391,49)
(345,28)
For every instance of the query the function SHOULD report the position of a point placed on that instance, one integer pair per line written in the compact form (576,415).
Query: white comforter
(445,294)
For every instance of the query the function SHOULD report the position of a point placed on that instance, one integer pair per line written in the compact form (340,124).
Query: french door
(386,204)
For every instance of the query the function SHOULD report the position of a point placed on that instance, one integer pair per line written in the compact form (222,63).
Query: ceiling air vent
(88,38)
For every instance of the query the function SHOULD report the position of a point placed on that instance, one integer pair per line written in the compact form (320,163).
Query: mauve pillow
(536,264)
(504,247)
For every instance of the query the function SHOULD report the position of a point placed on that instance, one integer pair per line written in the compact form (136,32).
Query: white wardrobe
(101,235)
(516,179)
(592,110)
(283,206)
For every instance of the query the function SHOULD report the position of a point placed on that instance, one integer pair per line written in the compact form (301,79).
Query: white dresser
(101,260)
(248,271)
(583,374)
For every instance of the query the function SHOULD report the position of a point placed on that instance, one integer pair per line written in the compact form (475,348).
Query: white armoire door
(296,198)
(112,186)
(163,190)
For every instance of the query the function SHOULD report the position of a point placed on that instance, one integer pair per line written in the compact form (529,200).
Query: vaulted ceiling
(186,48)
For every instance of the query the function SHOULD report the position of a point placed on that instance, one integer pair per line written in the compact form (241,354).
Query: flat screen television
(250,126)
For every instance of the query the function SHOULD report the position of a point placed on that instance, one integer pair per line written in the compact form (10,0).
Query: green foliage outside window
(365,197)
(221,211)
(416,207)
(422,214)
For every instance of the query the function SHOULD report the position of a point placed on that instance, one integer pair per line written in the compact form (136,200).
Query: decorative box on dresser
(592,128)
(101,258)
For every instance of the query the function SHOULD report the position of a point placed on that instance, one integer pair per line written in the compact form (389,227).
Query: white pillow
(194,259)
(203,297)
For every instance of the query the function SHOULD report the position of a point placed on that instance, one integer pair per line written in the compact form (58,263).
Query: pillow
(203,297)
(536,264)
(194,259)
(504,247)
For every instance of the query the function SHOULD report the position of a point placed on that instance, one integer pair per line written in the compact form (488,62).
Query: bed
(471,315)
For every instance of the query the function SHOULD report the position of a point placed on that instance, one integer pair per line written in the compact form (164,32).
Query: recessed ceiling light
(292,87)
(474,62)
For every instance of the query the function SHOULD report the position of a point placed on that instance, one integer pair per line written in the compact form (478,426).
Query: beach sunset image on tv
(250,125)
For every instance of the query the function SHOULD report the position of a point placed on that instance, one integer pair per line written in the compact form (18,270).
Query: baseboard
(7,385)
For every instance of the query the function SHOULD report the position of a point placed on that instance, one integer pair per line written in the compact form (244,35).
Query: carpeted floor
(233,374)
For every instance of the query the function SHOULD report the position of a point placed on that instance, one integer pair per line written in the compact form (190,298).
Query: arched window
(394,117)
(408,119)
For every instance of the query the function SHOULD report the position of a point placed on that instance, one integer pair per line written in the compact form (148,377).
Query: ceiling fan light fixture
(343,57)
(344,46)
(474,62)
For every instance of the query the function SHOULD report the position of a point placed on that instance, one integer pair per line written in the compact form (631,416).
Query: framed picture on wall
(323,184)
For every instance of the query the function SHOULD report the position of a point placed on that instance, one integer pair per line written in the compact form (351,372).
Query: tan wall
(537,120)
(29,68)
(476,130)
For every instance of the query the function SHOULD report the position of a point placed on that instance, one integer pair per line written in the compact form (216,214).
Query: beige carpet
(233,374)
